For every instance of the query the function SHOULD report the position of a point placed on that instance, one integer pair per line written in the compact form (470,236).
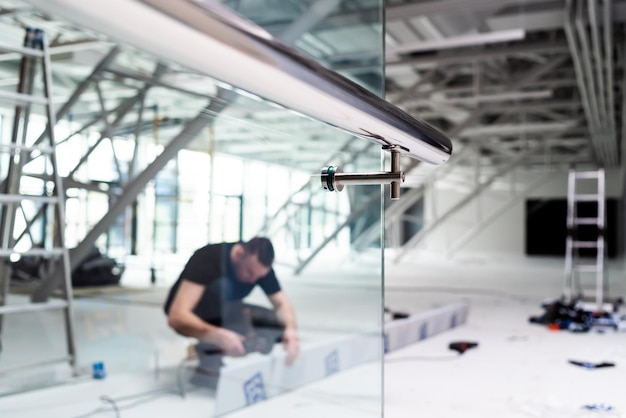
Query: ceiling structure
(172,95)
(511,73)
(519,83)
(503,74)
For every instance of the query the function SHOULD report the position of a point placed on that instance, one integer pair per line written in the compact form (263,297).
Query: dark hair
(263,249)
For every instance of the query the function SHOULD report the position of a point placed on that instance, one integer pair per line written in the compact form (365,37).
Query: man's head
(252,260)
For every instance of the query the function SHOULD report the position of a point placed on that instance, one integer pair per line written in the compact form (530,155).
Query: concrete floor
(518,370)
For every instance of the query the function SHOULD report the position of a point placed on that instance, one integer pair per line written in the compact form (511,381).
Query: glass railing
(247,151)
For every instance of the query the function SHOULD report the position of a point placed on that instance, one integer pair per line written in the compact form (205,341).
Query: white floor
(518,370)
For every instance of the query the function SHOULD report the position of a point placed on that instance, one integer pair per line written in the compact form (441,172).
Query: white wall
(505,235)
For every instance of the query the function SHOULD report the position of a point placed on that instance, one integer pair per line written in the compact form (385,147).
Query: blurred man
(206,303)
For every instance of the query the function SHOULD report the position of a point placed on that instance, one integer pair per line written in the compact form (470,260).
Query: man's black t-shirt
(211,267)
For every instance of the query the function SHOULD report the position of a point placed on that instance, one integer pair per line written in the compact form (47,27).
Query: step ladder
(575,268)
(39,231)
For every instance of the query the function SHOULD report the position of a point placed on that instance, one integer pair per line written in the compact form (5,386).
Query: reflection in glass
(248,172)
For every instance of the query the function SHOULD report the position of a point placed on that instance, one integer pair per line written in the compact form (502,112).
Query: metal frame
(334,179)
(136,185)
(572,264)
(443,73)
(11,196)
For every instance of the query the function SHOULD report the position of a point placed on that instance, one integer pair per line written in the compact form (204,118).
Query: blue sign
(332,363)
(254,389)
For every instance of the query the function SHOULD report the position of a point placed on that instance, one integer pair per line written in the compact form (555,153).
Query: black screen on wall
(546,226)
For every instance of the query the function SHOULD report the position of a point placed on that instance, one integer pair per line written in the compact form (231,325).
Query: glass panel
(335,293)
(27,338)
(252,170)
(166,208)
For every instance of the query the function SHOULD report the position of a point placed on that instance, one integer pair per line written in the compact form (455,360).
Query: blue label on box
(423,331)
(332,363)
(254,389)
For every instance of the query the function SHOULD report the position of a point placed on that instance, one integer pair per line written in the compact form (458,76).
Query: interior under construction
(131,135)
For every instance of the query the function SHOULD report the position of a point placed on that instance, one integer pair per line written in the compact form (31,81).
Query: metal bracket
(334,179)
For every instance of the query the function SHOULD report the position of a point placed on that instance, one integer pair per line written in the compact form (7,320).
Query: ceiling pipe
(606,35)
(588,75)
(608,55)
(511,96)
(207,37)
(458,42)
(623,148)
(605,112)
(576,59)
(598,60)
(597,112)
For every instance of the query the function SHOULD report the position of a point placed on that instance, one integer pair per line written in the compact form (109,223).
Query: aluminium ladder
(45,232)
(574,267)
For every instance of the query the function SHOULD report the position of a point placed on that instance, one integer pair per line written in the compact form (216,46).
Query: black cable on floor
(147,396)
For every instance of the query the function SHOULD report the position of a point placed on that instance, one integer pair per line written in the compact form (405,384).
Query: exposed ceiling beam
(550,84)
(542,20)
(406,11)
(483,98)
(532,106)
(471,54)
(62,49)
(457,42)
(518,128)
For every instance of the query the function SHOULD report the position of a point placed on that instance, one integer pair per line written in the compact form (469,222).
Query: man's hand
(229,341)
(291,344)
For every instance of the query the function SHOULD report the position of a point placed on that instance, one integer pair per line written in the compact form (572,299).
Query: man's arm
(284,309)
(182,319)
(287,316)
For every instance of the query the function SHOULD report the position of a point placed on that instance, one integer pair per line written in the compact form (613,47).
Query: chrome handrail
(212,39)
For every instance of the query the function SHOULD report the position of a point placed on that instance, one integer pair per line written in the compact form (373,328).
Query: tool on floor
(462,346)
(598,407)
(396,314)
(589,365)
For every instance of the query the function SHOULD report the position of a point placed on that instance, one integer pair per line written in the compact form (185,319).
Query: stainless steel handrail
(210,38)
